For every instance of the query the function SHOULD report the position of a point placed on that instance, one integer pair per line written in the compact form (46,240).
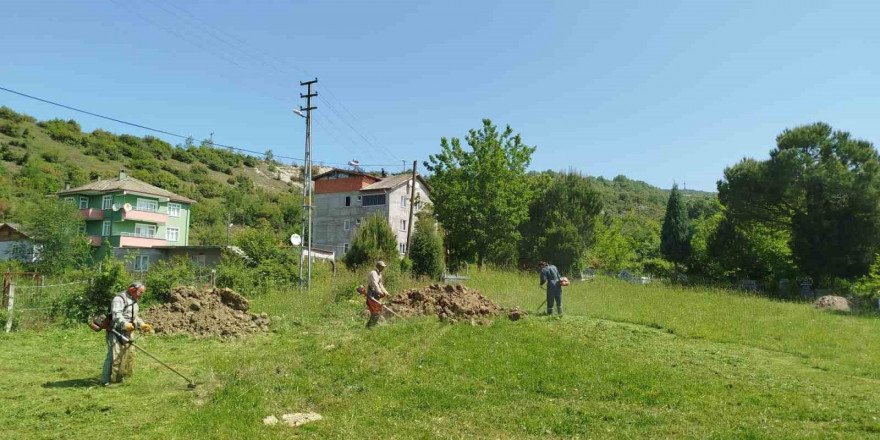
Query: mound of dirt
(832,302)
(450,304)
(219,312)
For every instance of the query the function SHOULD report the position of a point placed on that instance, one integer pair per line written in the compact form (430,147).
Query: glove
(146,328)
(128,327)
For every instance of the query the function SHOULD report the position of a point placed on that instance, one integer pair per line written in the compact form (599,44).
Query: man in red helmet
(124,318)
(375,291)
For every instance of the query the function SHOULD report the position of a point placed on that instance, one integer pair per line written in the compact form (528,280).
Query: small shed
(15,244)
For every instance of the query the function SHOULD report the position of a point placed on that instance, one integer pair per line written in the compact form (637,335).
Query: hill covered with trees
(38,157)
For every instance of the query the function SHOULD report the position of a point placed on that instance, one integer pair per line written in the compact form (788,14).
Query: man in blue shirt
(550,275)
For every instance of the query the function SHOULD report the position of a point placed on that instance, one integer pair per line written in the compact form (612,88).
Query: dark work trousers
(554,293)
(375,308)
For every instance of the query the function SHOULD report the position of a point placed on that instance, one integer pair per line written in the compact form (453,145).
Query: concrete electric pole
(412,207)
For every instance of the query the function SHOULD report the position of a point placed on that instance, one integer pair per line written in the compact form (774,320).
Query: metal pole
(9,307)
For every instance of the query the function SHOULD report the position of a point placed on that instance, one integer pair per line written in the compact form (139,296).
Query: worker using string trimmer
(550,276)
(123,319)
(375,291)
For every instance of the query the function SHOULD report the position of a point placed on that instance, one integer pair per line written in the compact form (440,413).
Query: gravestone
(750,285)
(625,275)
(806,291)
(784,285)
(644,280)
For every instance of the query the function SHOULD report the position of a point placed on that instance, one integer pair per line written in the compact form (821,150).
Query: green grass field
(626,361)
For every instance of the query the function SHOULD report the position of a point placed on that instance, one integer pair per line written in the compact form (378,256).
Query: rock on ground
(202,313)
(451,304)
(270,420)
(831,302)
(297,419)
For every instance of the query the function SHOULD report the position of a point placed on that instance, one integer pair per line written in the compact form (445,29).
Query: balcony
(128,239)
(145,216)
(92,214)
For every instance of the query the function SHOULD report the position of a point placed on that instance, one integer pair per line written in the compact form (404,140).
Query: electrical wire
(166,132)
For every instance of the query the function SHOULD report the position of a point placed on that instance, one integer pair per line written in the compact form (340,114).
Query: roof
(395,181)
(126,184)
(14,226)
(349,172)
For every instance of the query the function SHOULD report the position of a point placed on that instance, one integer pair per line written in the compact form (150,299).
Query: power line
(206,27)
(166,132)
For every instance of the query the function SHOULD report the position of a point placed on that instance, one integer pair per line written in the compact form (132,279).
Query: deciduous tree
(481,194)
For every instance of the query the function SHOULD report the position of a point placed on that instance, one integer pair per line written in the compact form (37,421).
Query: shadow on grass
(74,383)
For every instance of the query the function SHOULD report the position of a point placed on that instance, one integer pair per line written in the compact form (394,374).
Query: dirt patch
(831,302)
(450,304)
(202,313)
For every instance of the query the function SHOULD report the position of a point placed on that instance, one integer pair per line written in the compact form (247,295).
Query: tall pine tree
(675,236)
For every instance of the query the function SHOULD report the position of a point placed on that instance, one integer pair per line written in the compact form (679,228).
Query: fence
(31,301)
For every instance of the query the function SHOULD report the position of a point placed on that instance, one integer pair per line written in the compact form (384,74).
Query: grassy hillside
(39,157)
(626,361)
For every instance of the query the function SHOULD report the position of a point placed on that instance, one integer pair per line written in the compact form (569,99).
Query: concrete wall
(398,212)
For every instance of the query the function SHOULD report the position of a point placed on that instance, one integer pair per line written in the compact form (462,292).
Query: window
(83,202)
(142,262)
(70,200)
(147,205)
(345,248)
(347,200)
(401,247)
(403,201)
(142,230)
(174,209)
(346,224)
(107,202)
(198,260)
(376,200)
(402,225)
(172,234)
(105,231)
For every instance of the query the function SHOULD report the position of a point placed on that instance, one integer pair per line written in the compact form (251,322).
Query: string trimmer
(129,341)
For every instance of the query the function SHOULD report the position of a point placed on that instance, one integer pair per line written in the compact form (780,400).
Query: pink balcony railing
(141,241)
(92,214)
(145,216)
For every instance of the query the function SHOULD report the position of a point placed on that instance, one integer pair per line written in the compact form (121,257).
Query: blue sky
(657,91)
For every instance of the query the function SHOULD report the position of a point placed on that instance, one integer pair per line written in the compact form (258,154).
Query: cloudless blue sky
(659,91)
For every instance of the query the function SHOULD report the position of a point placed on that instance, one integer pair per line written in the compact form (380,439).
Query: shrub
(108,279)
(10,129)
(426,249)
(165,276)
(374,241)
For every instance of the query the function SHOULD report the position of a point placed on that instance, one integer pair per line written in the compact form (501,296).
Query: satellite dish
(127,207)
(295,240)
(115,207)
(354,163)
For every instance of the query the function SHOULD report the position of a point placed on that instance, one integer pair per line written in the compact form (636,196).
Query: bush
(10,129)
(374,241)
(426,249)
(109,278)
(164,276)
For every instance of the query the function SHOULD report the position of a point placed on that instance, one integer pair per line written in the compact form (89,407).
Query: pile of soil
(831,302)
(218,312)
(450,304)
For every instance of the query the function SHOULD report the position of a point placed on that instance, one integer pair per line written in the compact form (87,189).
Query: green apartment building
(133,216)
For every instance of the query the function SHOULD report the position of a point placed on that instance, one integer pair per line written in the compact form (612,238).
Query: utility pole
(307,182)
(412,207)
(403,170)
